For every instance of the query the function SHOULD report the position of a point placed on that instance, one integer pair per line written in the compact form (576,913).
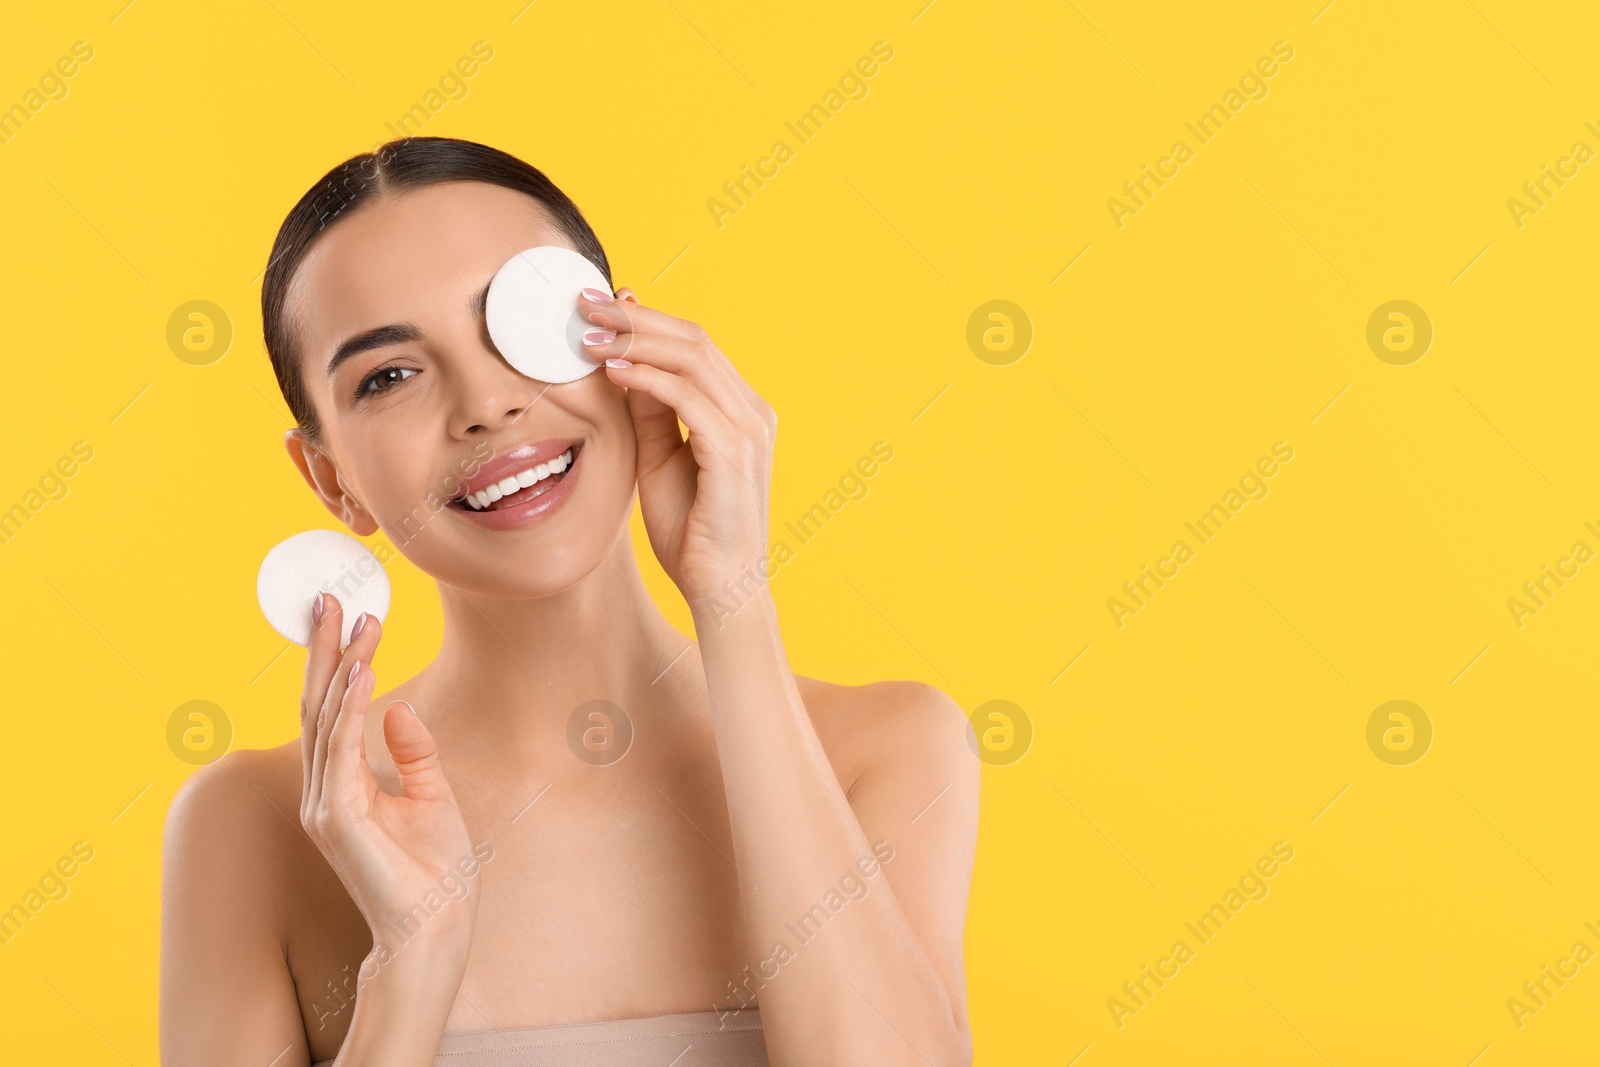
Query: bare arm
(870,899)
(227,994)
(870,978)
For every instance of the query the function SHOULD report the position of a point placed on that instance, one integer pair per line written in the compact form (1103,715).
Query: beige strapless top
(688,1039)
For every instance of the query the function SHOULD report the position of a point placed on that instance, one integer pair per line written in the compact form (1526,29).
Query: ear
(627,294)
(323,477)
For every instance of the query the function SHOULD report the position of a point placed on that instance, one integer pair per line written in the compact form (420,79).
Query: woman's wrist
(730,604)
(404,995)
(441,947)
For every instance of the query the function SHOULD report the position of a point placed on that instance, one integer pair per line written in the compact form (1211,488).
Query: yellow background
(1224,316)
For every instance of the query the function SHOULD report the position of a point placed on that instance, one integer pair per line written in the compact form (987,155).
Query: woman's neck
(511,672)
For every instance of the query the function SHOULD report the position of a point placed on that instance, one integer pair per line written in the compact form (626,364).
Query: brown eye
(382,380)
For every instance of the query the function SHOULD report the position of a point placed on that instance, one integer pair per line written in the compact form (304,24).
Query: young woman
(576,836)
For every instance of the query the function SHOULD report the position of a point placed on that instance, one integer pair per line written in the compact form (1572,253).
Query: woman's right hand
(394,854)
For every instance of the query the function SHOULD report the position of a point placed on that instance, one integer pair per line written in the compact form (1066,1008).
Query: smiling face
(423,406)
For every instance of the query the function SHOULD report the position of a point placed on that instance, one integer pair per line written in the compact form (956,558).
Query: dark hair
(395,167)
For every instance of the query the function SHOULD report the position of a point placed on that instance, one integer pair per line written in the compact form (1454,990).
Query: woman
(575,836)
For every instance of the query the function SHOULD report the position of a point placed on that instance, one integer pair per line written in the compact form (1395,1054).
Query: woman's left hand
(704,500)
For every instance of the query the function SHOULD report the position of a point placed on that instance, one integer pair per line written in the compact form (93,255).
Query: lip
(518,459)
(534,509)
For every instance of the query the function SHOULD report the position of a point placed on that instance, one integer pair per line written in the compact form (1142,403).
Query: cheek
(614,445)
(399,474)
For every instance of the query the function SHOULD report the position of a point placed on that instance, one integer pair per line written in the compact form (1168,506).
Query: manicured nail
(316,609)
(407,703)
(362,621)
(355,671)
(619,363)
(599,296)
(599,337)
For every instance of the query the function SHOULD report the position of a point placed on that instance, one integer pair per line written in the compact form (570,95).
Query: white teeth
(521,480)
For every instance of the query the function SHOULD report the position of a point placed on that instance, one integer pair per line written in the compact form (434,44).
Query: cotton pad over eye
(532,312)
(320,561)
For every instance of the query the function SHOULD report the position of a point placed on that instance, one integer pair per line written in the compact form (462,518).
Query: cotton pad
(324,561)
(533,315)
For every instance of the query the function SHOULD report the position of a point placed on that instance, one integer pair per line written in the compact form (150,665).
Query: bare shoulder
(240,883)
(234,827)
(245,789)
(901,751)
(872,729)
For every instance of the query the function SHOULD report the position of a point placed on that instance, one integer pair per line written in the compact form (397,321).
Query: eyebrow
(395,333)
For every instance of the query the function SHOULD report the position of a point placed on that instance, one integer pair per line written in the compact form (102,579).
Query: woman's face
(404,423)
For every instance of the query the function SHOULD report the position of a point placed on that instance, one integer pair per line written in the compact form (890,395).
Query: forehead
(408,257)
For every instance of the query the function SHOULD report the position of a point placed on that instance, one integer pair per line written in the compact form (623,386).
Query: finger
(637,320)
(687,359)
(631,321)
(708,426)
(321,662)
(415,754)
(363,643)
(348,774)
(656,432)
(630,316)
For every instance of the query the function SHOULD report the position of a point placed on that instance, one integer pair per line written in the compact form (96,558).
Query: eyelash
(362,391)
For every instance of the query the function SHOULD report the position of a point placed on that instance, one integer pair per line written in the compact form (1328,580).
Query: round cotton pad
(533,315)
(296,570)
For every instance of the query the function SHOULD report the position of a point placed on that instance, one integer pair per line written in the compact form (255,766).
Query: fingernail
(619,363)
(599,337)
(362,621)
(599,296)
(355,672)
(316,609)
(407,703)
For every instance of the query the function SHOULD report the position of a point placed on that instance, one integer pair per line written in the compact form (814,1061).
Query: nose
(490,394)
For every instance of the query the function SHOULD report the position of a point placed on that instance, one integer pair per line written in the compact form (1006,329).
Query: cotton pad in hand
(320,561)
(533,317)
